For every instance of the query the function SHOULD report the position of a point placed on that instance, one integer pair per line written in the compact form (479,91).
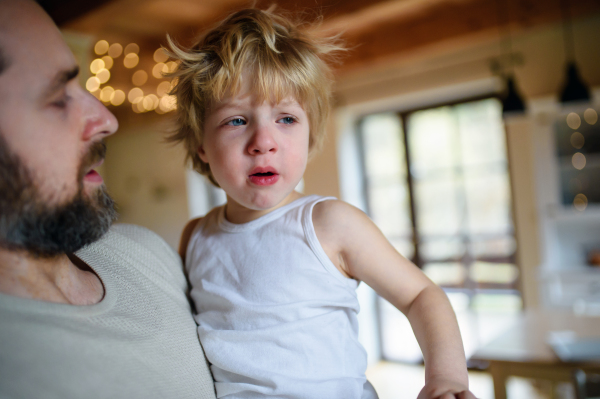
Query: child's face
(257,152)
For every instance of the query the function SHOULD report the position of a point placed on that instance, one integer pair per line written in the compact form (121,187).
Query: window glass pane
(488,203)
(442,248)
(447,273)
(389,206)
(386,180)
(432,141)
(492,247)
(383,147)
(404,245)
(482,137)
(437,207)
(495,273)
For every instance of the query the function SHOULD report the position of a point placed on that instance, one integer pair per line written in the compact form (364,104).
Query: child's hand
(445,389)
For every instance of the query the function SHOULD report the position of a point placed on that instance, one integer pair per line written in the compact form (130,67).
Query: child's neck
(236,213)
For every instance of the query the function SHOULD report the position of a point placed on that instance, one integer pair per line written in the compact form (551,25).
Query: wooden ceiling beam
(452,20)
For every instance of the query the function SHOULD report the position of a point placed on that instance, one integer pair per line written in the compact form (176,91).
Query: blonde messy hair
(278,55)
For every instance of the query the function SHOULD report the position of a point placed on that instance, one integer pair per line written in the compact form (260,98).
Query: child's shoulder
(186,234)
(334,219)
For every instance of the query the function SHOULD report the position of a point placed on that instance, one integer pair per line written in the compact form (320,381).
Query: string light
(573,121)
(577,140)
(163,88)
(97,65)
(103,75)
(117,98)
(580,202)
(590,116)
(115,50)
(101,47)
(139,77)
(160,55)
(131,60)
(135,94)
(132,48)
(578,160)
(159,69)
(172,66)
(92,84)
(106,93)
(108,61)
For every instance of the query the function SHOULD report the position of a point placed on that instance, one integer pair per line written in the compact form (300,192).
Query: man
(86,310)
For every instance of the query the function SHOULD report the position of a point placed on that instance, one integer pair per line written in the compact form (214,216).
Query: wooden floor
(402,381)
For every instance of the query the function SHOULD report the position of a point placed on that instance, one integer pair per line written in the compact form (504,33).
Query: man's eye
(236,122)
(288,120)
(62,102)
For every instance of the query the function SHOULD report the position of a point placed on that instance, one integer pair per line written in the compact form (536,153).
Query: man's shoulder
(139,246)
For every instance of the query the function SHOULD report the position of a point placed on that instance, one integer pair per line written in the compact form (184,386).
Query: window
(437,185)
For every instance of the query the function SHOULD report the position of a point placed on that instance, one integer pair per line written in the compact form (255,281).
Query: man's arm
(359,250)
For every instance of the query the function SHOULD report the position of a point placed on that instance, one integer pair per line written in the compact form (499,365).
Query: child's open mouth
(264,176)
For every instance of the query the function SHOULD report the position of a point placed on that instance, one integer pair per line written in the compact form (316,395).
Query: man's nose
(262,141)
(100,121)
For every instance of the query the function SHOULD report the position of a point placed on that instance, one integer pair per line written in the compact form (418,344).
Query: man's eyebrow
(61,79)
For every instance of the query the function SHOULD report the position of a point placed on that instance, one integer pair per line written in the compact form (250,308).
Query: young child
(274,273)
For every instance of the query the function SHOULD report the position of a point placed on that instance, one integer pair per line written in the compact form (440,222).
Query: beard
(28,223)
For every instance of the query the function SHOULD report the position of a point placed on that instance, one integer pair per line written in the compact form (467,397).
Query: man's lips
(264,176)
(93,176)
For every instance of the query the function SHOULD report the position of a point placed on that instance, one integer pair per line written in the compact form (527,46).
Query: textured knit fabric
(276,318)
(140,341)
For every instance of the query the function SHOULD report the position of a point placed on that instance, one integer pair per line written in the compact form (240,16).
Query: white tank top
(276,317)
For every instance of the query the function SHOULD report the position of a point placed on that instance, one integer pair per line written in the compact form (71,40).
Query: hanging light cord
(567,31)
(505,38)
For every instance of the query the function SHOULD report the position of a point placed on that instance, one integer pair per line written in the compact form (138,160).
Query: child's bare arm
(359,249)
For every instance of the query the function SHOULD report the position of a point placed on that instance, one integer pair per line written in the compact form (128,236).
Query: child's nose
(262,142)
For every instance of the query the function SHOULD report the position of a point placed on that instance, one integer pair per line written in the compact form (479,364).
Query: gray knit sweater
(140,341)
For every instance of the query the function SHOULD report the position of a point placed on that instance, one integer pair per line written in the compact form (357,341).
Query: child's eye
(236,122)
(288,120)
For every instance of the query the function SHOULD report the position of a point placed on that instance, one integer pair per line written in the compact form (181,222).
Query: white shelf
(563,214)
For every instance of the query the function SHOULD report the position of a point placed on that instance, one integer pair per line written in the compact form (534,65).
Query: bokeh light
(97,65)
(573,121)
(135,94)
(163,88)
(580,202)
(106,93)
(172,66)
(108,61)
(591,116)
(577,140)
(578,161)
(132,48)
(117,98)
(160,55)
(139,77)
(168,103)
(131,60)
(103,75)
(92,84)
(159,69)
(101,47)
(115,50)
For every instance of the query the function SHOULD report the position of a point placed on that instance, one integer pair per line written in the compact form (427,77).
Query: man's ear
(202,154)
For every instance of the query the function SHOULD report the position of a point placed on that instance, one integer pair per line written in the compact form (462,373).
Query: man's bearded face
(29,223)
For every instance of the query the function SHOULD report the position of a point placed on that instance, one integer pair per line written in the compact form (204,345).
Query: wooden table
(522,350)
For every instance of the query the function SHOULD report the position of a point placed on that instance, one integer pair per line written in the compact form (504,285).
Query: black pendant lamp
(512,102)
(574,90)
